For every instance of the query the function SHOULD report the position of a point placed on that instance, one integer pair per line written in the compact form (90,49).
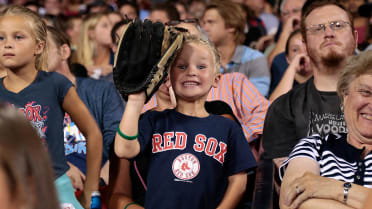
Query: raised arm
(288,27)
(126,143)
(81,116)
(286,83)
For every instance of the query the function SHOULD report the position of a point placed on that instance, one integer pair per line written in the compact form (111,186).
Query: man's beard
(332,59)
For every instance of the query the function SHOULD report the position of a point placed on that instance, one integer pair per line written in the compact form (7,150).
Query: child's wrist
(129,204)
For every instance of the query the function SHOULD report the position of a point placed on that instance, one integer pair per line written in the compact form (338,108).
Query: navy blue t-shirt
(191,158)
(105,105)
(41,102)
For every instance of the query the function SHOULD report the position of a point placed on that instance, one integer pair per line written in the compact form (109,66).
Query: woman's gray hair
(355,67)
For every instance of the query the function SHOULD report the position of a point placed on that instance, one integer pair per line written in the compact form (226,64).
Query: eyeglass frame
(331,24)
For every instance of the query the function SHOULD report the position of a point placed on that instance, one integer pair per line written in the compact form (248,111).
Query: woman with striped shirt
(336,171)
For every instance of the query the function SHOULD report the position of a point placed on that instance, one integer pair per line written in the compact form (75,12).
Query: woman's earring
(342,107)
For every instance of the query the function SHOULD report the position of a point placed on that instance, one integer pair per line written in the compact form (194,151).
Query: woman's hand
(301,64)
(77,177)
(310,186)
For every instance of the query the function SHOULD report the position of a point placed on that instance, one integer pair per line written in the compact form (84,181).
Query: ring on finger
(298,190)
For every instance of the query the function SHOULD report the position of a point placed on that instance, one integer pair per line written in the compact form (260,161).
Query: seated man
(224,23)
(313,107)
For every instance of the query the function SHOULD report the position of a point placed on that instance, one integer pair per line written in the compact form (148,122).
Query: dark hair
(174,3)
(293,33)
(32,3)
(59,37)
(79,70)
(116,27)
(25,162)
(168,8)
(218,107)
(130,3)
(310,5)
(68,22)
(98,3)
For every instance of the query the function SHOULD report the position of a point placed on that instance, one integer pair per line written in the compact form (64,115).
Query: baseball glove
(144,53)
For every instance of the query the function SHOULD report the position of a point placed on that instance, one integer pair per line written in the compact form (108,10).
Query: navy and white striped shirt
(337,159)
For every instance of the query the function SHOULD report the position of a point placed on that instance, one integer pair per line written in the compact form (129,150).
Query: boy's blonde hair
(86,46)
(203,42)
(38,27)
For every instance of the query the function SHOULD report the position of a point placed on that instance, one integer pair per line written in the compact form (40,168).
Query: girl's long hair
(86,46)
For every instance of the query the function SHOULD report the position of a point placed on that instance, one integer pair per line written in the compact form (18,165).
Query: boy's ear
(231,29)
(40,46)
(216,80)
(65,51)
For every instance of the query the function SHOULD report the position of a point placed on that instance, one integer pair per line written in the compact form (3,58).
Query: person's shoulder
(292,99)
(232,77)
(280,58)
(227,122)
(93,82)
(249,53)
(158,114)
(94,85)
(45,74)
(53,77)
(295,94)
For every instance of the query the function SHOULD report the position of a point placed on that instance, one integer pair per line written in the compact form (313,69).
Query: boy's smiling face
(193,72)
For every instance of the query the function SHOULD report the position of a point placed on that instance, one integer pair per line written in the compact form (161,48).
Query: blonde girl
(44,97)
(94,47)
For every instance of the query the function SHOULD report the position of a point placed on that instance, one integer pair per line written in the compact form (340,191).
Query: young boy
(197,160)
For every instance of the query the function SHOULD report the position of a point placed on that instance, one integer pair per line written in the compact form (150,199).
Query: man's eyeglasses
(334,25)
(176,22)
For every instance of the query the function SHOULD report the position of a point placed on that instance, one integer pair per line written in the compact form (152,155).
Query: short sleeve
(251,106)
(240,157)
(279,133)
(62,85)
(145,129)
(307,147)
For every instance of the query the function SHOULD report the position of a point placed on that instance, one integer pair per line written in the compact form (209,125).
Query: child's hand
(77,177)
(138,98)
